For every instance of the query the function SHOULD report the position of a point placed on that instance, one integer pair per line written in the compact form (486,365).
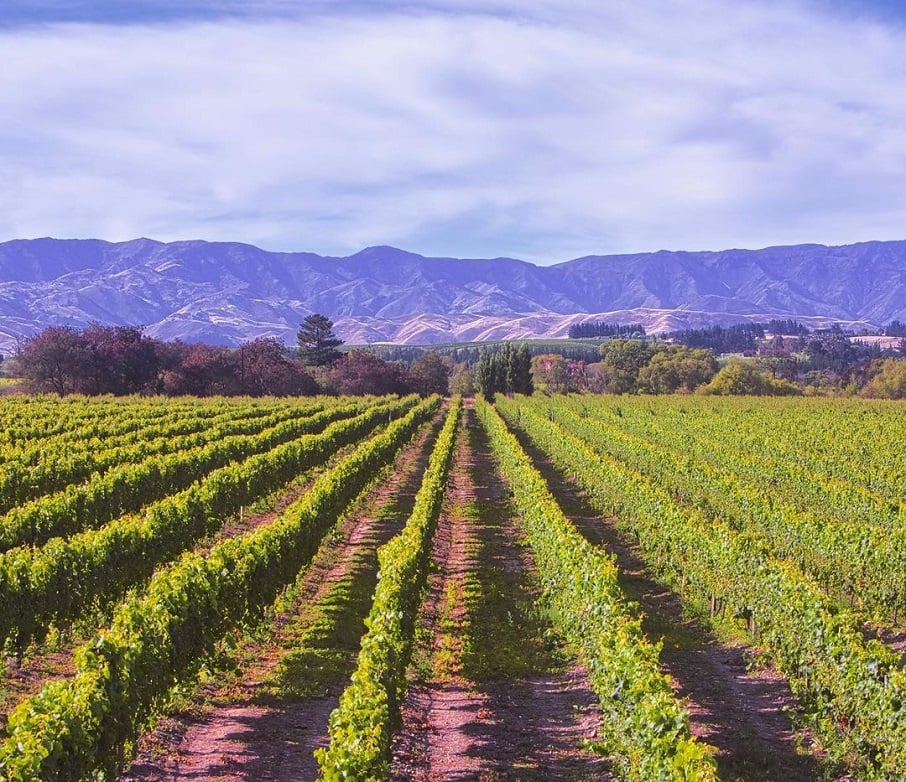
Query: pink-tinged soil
(892,635)
(463,719)
(244,742)
(538,728)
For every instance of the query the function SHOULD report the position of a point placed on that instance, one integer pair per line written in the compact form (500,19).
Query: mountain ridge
(229,292)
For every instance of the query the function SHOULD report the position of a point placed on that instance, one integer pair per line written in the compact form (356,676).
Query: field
(563,588)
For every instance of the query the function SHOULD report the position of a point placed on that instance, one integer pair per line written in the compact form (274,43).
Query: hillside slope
(226,293)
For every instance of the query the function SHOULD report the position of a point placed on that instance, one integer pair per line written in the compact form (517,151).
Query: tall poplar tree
(508,370)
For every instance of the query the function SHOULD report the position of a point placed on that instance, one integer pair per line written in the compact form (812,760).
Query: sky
(533,129)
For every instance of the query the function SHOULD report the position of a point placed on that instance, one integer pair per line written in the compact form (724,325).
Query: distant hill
(227,293)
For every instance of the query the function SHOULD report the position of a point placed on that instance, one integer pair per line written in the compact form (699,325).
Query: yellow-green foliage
(646,729)
(362,724)
(888,380)
(855,689)
(58,582)
(742,378)
(83,728)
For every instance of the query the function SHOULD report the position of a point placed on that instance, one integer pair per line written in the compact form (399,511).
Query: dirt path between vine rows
(735,706)
(266,723)
(488,700)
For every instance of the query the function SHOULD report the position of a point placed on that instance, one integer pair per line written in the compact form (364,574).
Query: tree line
(824,361)
(122,360)
(789,359)
(590,329)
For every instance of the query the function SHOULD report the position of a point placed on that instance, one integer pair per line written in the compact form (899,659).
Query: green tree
(740,377)
(518,363)
(551,370)
(507,371)
(626,358)
(463,381)
(676,367)
(317,342)
(830,349)
(486,375)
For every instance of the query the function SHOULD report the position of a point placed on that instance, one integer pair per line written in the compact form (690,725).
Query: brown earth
(892,635)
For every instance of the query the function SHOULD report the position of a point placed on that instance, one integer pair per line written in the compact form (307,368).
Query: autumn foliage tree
(123,360)
(263,368)
(430,374)
(97,360)
(360,372)
(116,360)
(199,370)
(888,379)
(50,360)
(743,378)
(557,374)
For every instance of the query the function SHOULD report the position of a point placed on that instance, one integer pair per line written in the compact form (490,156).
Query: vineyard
(542,588)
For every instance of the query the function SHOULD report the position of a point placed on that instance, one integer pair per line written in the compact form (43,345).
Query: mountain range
(226,293)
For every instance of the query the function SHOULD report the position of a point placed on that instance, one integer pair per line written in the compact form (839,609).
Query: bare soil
(488,701)
(251,728)
(244,741)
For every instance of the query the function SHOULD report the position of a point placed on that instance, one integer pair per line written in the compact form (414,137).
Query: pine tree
(317,342)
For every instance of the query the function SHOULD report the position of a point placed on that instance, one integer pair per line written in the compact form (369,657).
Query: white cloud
(543,130)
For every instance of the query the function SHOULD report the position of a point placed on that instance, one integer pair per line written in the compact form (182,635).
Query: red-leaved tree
(360,372)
